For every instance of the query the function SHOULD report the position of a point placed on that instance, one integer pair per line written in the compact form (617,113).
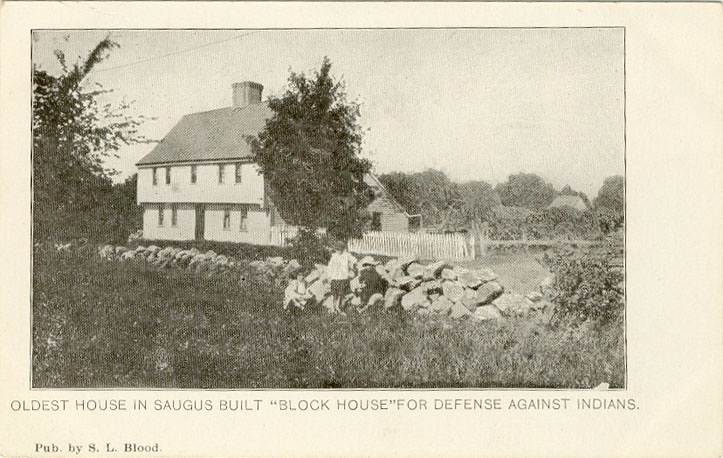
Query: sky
(479,104)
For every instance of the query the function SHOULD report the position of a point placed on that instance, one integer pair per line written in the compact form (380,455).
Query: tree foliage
(309,151)
(610,204)
(73,135)
(526,190)
(478,198)
(587,286)
(429,193)
(612,194)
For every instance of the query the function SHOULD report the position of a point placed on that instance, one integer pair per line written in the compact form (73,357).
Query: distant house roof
(575,202)
(210,135)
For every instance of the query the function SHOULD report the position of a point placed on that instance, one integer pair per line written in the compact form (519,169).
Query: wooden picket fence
(426,246)
(280,235)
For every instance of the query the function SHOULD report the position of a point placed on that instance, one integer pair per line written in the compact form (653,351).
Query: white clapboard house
(200,181)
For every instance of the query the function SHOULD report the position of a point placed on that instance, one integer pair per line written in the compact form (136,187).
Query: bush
(309,248)
(587,286)
(561,222)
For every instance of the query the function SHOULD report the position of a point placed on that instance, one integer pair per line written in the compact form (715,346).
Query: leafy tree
(612,194)
(308,153)
(119,213)
(526,190)
(478,198)
(430,193)
(609,204)
(73,134)
(403,188)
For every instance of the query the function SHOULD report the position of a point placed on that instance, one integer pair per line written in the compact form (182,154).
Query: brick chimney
(246,93)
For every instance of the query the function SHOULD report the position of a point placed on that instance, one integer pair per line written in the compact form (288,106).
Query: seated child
(296,294)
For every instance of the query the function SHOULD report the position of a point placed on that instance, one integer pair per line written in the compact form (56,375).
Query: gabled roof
(373,182)
(210,135)
(575,202)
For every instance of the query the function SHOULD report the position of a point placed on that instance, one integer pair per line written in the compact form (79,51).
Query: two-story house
(200,181)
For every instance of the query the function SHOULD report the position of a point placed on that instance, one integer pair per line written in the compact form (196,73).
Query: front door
(200,221)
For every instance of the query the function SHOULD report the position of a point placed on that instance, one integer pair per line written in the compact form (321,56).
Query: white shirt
(341,266)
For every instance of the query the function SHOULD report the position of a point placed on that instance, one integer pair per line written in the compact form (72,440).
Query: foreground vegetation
(101,324)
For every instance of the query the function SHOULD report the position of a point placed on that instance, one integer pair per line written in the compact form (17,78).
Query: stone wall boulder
(489,291)
(470,280)
(434,270)
(486,313)
(415,270)
(432,286)
(414,299)
(453,290)
(481,296)
(128,255)
(448,274)
(407,283)
(513,304)
(393,297)
(441,305)
(458,311)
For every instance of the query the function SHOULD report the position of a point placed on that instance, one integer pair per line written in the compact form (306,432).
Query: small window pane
(376,221)
(155,176)
(220,174)
(244,216)
(168,175)
(238,173)
(174,215)
(160,216)
(193,174)
(226,219)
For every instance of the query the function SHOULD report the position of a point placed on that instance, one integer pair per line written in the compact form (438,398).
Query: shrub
(309,248)
(587,286)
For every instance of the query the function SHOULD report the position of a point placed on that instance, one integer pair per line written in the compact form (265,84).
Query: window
(168,175)
(272,216)
(174,215)
(244,216)
(376,221)
(160,215)
(193,174)
(227,219)
(220,174)
(155,176)
(238,173)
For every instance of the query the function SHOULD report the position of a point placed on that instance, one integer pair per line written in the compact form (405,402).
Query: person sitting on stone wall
(296,295)
(373,286)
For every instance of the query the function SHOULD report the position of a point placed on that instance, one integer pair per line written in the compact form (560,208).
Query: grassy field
(517,271)
(107,324)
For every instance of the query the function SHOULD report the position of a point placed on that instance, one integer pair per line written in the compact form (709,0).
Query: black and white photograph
(351,209)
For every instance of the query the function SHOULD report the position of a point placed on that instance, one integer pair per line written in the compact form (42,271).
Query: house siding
(392,220)
(207,189)
(183,230)
(258,225)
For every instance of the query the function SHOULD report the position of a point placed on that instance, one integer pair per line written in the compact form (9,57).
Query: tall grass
(106,324)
